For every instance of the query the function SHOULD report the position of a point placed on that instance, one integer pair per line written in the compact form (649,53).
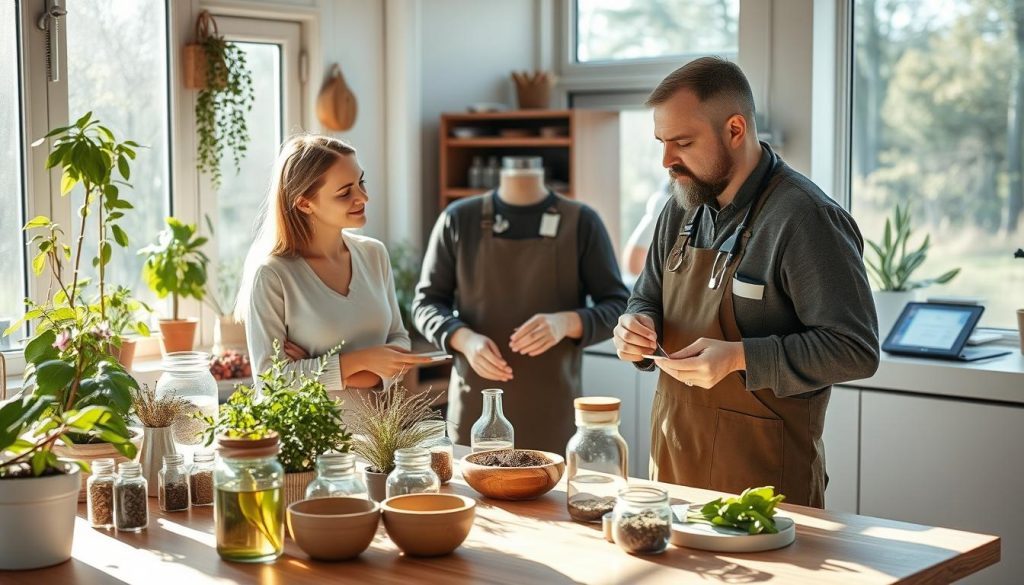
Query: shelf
(459,193)
(510,115)
(510,142)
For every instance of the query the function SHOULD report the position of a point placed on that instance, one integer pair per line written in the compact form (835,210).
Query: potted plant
(295,406)
(122,314)
(384,422)
(176,266)
(892,266)
(156,415)
(68,356)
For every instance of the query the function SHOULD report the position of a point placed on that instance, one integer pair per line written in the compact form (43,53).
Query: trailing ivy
(222,105)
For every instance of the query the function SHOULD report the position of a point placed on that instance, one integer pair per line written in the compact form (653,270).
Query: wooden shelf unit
(585,160)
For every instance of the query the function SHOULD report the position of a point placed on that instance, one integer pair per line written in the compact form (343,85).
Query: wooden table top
(534,542)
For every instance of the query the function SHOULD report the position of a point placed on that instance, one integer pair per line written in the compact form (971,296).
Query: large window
(12,287)
(938,119)
(614,30)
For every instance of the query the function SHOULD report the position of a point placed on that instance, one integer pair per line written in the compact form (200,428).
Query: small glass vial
(336,476)
(642,520)
(131,500)
(441,448)
(100,494)
(596,459)
(476,173)
(492,430)
(173,484)
(200,479)
(249,500)
(412,474)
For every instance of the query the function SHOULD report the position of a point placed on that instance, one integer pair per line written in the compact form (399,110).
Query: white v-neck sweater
(290,301)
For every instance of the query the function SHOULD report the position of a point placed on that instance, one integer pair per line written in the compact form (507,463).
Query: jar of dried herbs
(200,479)
(442,450)
(131,502)
(642,520)
(100,494)
(173,484)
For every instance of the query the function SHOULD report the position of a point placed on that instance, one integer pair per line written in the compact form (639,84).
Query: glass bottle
(100,494)
(412,474)
(131,498)
(336,476)
(187,375)
(249,501)
(642,520)
(173,484)
(596,459)
(492,430)
(476,173)
(200,479)
(441,448)
(492,174)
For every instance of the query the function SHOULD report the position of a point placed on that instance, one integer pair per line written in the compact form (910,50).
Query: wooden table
(534,542)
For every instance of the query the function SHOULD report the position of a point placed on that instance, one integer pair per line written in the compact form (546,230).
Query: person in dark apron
(504,286)
(756,289)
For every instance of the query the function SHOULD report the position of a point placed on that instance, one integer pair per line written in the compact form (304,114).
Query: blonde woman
(312,284)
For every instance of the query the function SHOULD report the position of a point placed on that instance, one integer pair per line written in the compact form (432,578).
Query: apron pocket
(747,452)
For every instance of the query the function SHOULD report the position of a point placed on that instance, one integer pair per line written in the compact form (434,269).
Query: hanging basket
(336,104)
(194,58)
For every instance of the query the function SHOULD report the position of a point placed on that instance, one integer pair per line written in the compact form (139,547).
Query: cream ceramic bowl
(333,529)
(428,525)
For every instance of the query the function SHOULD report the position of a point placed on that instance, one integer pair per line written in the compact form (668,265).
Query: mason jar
(186,374)
(596,459)
(412,474)
(336,476)
(441,448)
(249,502)
(642,520)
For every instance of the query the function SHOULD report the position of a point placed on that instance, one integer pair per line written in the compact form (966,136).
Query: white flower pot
(38,519)
(889,305)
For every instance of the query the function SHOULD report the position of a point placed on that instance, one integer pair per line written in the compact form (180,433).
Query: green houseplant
(123,315)
(176,266)
(295,406)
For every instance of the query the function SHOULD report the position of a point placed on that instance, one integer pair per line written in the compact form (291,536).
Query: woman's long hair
(283,229)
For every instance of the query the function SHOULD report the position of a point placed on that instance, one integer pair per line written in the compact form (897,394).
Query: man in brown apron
(755,287)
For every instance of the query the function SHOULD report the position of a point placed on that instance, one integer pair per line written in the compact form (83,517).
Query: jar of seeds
(100,494)
(442,450)
(596,459)
(642,520)
(131,503)
(173,484)
(201,479)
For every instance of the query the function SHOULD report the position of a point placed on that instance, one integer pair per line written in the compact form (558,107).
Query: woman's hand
(294,352)
(386,361)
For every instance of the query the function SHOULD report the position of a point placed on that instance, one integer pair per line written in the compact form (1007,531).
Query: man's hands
(543,331)
(482,354)
(704,362)
(634,337)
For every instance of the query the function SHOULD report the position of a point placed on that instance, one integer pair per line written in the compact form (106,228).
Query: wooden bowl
(428,525)
(513,483)
(333,529)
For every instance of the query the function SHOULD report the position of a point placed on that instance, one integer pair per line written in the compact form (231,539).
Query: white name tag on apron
(747,290)
(549,225)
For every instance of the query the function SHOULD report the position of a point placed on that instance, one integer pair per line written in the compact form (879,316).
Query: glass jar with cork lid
(248,501)
(596,459)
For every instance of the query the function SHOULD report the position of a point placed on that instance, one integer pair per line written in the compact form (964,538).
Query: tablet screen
(931,327)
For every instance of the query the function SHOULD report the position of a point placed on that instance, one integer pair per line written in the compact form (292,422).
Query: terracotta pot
(39,517)
(376,485)
(156,442)
(125,355)
(295,486)
(228,334)
(178,335)
(89,452)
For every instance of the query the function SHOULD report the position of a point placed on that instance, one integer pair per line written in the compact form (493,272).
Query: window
(938,120)
(613,30)
(12,249)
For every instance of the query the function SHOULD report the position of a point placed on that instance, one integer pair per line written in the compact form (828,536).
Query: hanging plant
(218,69)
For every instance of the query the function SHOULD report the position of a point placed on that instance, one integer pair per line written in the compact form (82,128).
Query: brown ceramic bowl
(333,529)
(428,525)
(512,483)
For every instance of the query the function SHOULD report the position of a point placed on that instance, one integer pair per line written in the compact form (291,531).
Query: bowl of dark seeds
(512,474)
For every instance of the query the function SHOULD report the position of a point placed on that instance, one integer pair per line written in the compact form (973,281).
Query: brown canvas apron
(500,284)
(727,438)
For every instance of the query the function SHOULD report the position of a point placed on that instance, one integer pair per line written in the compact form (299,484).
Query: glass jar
(173,484)
(441,448)
(100,494)
(249,501)
(412,474)
(187,375)
(596,459)
(131,498)
(492,430)
(200,479)
(336,476)
(642,520)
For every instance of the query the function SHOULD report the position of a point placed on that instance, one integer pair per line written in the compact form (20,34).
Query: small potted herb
(384,422)
(295,406)
(175,265)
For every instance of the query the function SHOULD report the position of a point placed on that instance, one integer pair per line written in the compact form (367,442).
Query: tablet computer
(937,331)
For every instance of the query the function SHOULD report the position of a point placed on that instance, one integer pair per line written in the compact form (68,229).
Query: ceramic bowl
(333,529)
(428,525)
(512,483)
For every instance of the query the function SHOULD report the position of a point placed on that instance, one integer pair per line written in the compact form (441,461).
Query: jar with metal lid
(100,494)
(186,374)
(173,484)
(336,476)
(642,520)
(441,448)
(131,498)
(412,474)
(596,459)
(249,500)
(200,479)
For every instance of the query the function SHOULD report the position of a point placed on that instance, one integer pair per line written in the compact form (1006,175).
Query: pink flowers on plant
(63,340)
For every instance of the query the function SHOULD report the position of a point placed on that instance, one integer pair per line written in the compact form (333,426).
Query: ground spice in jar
(646,532)
(132,506)
(511,458)
(101,503)
(590,508)
(441,463)
(174,496)
(202,488)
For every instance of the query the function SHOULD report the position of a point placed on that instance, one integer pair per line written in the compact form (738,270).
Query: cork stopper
(597,404)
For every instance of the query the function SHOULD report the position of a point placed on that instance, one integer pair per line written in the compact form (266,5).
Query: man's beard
(701,191)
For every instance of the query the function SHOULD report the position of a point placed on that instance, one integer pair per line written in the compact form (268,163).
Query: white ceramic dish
(723,539)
